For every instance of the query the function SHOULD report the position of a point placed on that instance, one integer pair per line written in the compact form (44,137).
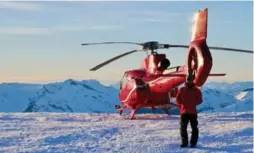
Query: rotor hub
(151,45)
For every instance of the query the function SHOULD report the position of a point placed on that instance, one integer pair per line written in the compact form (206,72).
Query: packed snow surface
(109,132)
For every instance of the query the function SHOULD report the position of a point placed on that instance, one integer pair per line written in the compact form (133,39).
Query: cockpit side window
(124,81)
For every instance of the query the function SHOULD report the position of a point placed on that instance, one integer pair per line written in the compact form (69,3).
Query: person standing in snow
(188,97)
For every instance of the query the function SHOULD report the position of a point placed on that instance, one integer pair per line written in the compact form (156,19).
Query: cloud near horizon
(33,31)
(27,6)
(24,31)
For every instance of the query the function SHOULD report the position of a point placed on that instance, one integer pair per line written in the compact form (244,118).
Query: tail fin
(199,29)
(199,59)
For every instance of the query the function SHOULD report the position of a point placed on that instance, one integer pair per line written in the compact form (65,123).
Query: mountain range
(92,96)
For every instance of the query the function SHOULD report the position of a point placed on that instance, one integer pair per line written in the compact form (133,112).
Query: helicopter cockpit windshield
(124,81)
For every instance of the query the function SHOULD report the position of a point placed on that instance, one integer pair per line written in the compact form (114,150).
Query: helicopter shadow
(151,117)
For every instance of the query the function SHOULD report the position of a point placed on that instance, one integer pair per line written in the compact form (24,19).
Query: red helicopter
(155,83)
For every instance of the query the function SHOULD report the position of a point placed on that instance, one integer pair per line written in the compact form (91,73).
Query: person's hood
(189,85)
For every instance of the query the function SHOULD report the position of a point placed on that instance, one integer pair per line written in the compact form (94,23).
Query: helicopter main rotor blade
(112,59)
(211,47)
(176,46)
(232,49)
(100,43)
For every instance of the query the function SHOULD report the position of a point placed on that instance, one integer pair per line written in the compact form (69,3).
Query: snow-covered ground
(101,133)
(225,120)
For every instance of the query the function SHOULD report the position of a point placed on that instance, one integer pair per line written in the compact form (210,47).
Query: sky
(40,41)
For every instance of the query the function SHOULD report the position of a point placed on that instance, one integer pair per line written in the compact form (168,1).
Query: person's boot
(193,146)
(183,145)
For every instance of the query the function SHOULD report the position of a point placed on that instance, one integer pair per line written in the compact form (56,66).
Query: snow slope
(246,94)
(74,96)
(111,133)
(245,102)
(233,88)
(14,96)
(215,100)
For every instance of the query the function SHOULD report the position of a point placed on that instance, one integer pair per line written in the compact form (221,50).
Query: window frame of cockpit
(124,80)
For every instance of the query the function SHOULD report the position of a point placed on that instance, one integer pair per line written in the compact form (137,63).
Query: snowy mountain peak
(85,84)
(73,96)
(88,82)
(232,88)
(246,94)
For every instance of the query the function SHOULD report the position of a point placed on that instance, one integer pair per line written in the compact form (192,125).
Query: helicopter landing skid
(120,109)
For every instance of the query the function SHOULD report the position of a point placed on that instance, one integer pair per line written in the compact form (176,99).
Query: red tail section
(199,58)
(200,25)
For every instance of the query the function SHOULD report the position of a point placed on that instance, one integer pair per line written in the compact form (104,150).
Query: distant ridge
(92,96)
